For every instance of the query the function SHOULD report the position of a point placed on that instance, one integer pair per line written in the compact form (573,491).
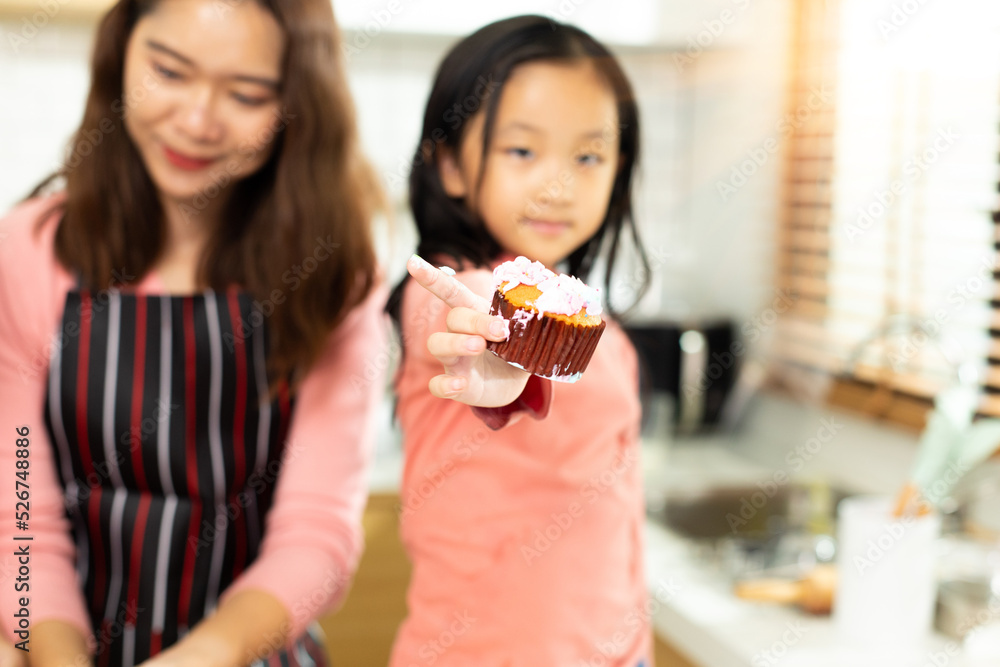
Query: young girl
(522,515)
(181,324)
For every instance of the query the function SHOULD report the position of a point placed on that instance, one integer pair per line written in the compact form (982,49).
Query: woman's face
(201,94)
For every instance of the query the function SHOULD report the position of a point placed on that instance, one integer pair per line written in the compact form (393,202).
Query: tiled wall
(701,114)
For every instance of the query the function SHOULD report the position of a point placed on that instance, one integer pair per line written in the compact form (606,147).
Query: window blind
(887,235)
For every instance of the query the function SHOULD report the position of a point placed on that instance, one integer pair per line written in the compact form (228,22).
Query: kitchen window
(888,239)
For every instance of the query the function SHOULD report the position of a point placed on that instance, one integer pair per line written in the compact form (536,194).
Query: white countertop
(695,610)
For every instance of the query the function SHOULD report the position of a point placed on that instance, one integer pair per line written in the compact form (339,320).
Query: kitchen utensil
(950,446)
(812,593)
(964,604)
(695,362)
(886,573)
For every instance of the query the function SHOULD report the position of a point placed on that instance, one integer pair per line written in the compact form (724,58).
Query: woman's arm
(58,644)
(10,656)
(32,288)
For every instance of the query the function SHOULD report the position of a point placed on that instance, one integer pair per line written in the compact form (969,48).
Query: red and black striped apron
(168,450)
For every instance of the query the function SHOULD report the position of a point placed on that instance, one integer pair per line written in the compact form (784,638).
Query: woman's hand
(471,374)
(195,651)
(248,625)
(10,656)
(56,643)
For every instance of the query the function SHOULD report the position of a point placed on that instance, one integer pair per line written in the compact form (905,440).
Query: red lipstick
(185,162)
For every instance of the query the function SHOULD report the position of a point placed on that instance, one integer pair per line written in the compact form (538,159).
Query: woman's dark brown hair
(315,190)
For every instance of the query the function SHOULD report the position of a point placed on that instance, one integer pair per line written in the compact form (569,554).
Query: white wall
(737,100)
(43,85)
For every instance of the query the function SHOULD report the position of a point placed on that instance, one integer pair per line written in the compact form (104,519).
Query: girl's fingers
(469,321)
(445,287)
(447,386)
(448,347)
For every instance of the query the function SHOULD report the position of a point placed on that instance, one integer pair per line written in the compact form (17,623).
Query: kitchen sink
(752,512)
(748,530)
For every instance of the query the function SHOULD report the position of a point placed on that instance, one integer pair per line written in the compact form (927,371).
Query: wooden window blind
(887,237)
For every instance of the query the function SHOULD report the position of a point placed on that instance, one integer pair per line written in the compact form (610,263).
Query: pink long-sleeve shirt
(313,535)
(526,541)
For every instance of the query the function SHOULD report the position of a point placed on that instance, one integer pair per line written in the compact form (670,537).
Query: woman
(186,319)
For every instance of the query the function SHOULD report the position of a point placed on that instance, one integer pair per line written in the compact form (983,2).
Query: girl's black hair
(471,78)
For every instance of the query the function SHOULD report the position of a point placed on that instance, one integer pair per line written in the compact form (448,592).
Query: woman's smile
(186,162)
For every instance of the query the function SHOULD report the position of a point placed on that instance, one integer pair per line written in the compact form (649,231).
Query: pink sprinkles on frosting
(561,294)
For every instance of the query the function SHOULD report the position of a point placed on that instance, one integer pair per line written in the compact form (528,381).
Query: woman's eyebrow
(162,48)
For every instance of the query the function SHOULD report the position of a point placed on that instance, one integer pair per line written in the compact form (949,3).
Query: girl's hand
(471,374)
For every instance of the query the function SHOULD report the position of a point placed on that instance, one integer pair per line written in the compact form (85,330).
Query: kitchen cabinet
(668,656)
(41,12)
(681,25)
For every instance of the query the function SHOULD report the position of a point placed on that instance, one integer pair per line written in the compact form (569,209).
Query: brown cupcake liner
(545,346)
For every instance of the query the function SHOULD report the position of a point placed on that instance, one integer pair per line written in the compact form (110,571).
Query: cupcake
(555,320)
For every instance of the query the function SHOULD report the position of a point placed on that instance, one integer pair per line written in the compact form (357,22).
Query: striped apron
(168,459)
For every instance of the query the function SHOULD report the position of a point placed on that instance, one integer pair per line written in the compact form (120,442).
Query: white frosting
(561,294)
(522,317)
(569,378)
(520,271)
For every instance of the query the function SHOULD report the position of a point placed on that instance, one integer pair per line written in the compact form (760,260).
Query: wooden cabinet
(54,10)
(668,656)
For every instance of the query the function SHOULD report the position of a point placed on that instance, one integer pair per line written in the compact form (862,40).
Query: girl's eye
(524,153)
(164,72)
(590,159)
(249,101)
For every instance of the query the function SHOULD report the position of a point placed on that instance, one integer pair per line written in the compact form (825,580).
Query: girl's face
(201,94)
(551,164)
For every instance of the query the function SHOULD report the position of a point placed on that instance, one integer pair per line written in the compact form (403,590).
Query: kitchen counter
(694,608)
